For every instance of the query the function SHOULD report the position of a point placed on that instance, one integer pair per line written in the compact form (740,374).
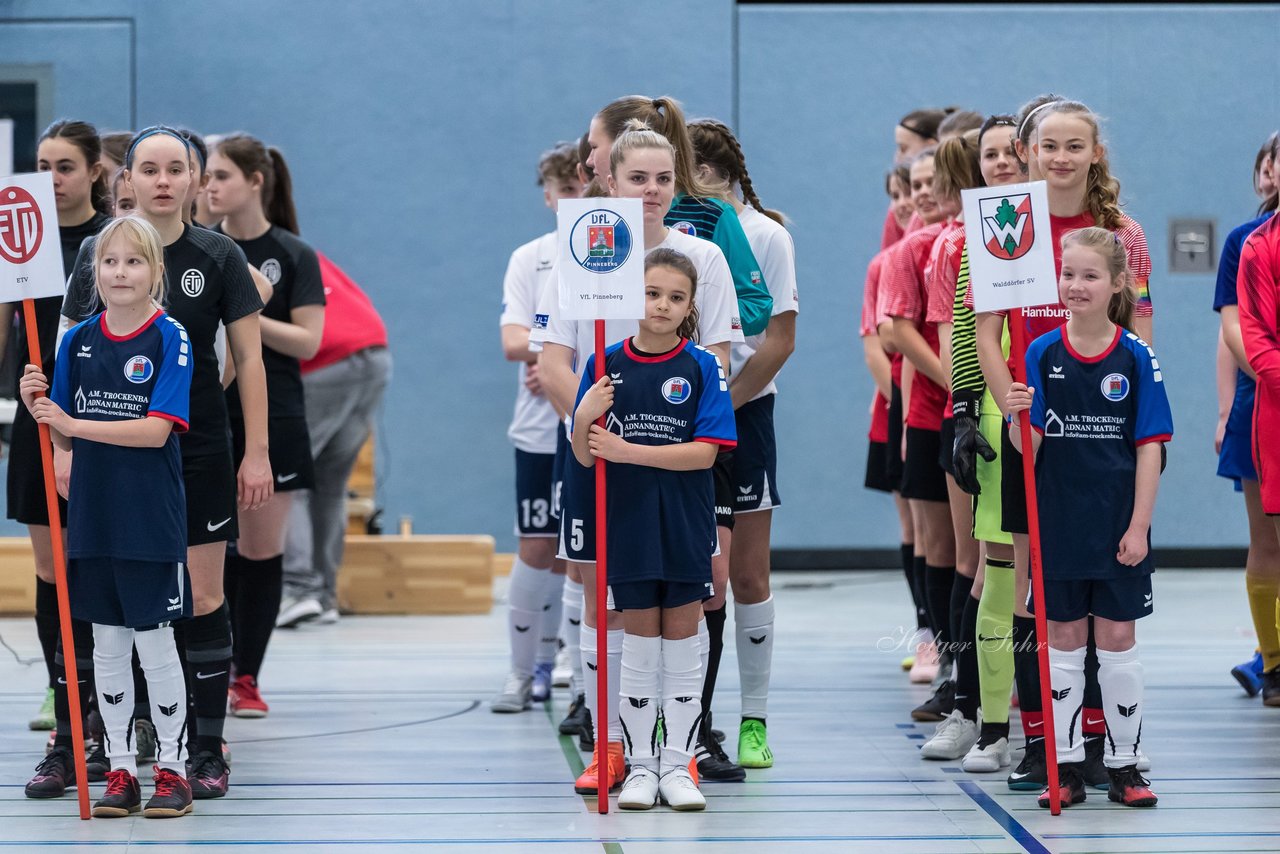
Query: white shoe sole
(299,612)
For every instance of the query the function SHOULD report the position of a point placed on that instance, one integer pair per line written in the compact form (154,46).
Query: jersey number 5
(575,535)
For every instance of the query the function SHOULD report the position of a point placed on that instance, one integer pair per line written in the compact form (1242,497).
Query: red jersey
(1257,286)
(944,272)
(902,294)
(351,323)
(891,233)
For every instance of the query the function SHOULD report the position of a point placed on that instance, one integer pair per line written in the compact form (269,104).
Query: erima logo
(745,490)
(759,640)
(1061,695)
(1056,372)
(175,604)
(591,667)
(522,629)
(1127,712)
(638,702)
(84,352)
(1146,600)
(684,699)
(574,622)
(616,379)
(114,699)
(168,711)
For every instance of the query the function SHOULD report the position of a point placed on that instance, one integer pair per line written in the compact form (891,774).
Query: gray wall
(412,129)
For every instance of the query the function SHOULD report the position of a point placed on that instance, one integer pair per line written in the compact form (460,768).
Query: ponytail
(84,137)
(665,116)
(1102,190)
(956,165)
(279,208)
(250,155)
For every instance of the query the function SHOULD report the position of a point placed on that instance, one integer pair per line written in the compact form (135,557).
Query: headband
(917,131)
(154,131)
(1028,116)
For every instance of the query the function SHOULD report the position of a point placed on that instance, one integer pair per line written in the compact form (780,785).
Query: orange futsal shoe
(589,782)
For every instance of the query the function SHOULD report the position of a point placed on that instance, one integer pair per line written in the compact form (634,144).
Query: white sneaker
(516,696)
(679,791)
(562,673)
(952,739)
(987,759)
(297,610)
(640,790)
(925,667)
(1144,763)
(328,617)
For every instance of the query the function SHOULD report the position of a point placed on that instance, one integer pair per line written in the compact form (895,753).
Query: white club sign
(30,248)
(1010,246)
(601,258)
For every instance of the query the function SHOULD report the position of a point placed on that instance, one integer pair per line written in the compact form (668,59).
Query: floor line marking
(1020,834)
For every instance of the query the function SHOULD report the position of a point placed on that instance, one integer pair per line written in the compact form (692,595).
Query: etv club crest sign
(30,250)
(1008,227)
(21,226)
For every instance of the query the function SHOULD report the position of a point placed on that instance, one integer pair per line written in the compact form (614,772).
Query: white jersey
(533,425)
(716,300)
(776,255)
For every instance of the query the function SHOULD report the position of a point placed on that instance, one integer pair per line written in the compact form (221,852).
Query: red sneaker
(1070,787)
(589,782)
(1130,788)
(244,700)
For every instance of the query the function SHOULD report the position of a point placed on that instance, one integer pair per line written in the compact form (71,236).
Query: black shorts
(132,593)
(210,484)
(534,494)
(877,477)
(922,478)
(722,474)
(1118,599)
(755,458)
(578,513)
(642,595)
(290,452)
(893,460)
(563,451)
(946,441)
(25,478)
(1013,492)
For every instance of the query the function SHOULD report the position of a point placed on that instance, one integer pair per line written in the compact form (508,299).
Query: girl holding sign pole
(1067,153)
(209,283)
(671,403)
(1099,412)
(643,165)
(126,376)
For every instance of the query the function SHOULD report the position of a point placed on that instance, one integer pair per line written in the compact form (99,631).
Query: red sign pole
(602,612)
(60,574)
(1017,330)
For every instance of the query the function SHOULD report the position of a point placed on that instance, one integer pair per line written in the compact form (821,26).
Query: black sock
(968,690)
(993,732)
(1026,664)
(47,625)
(255,610)
(938,583)
(82,633)
(715,635)
(906,552)
(918,592)
(208,655)
(961,587)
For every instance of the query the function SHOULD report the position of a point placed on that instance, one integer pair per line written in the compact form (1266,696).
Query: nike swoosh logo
(209,675)
(285,478)
(1090,722)
(213,527)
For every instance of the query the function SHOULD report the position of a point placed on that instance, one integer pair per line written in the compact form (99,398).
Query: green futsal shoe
(44,718)
(753,745)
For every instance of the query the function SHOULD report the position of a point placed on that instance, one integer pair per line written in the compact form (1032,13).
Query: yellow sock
(1265,608)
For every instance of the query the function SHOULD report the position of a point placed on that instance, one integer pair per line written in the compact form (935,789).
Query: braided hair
(715,146)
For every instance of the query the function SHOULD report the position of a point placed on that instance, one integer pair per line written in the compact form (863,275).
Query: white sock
(704,645)
(113,660)
(551,610)
(615,676)
(1066,676)
(589,685)
(639,686)
(571,629)
(167,691)
(1120,678)
(753,632)
(681,701)
(524,615)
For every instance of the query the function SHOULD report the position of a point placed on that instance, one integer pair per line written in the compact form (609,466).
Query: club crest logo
(685,227)
(1008,230)
(192,282)
(600,241)
(1115,387)
(676,390)
(271,269)
(21,226)
(138,369)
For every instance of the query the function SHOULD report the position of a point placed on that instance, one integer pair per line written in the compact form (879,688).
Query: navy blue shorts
(1235,460)
(755,459)
(578,513)
(136,594)
(642,595)
(1117,599)
(563,451)
(535,492)
(722,478)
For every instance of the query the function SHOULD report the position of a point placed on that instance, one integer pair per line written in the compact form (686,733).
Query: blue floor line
(1020,834)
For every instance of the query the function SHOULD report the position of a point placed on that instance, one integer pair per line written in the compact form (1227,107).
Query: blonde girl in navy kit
(120,395)
(670,415)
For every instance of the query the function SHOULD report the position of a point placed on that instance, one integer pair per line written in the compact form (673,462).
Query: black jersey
(294,272)
(47,319)
(208,281)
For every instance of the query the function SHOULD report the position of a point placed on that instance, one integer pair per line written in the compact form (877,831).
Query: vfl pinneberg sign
(601,258)
(30,250)
(1010,246)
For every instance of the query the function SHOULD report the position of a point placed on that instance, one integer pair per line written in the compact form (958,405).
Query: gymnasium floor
(380,739)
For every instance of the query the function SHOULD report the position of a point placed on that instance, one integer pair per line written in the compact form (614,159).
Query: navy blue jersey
(126,503)
(1093,413)
(208,282)
(294,272)
(1224,293)
(662,523)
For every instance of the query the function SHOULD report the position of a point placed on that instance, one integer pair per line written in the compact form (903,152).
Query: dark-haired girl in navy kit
(1100,414)
(669,414)
(120,395)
